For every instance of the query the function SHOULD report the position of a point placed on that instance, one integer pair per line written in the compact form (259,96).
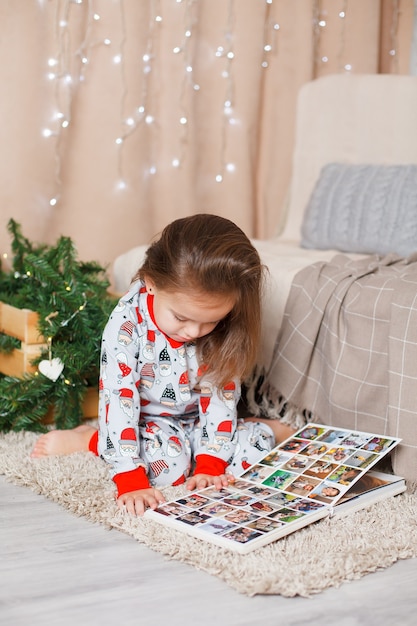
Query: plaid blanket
(347,350)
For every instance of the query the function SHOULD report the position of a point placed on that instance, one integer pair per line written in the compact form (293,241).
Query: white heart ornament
(52,368)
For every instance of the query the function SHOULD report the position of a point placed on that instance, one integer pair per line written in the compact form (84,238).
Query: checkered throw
(347,349)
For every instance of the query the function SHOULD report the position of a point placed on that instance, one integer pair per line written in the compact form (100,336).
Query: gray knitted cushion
(363,208)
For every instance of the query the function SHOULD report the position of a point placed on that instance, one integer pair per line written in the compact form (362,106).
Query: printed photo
(298,463)
(240,516)
(239,499)
(242,534)
(216,509)
(362,459)
(344,475)
(307,506)
(193,517)
(257,473)
(217,526)
(171,509)
(310,432)
(286,515)
(378,444)
(293,445)
(326,492)
(302,485)
(275,458)
(279,479)
(338,455)
(314,449)
(355,440)
(194,501)
(283,499)
(265,524)
(262,507)
(321,469)
(333,436)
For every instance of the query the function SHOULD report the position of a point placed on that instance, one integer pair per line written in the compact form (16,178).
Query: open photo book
(320,471)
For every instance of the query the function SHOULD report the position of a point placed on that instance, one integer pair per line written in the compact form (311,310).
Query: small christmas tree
(73,304)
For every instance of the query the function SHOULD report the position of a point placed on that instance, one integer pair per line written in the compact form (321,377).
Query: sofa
(349,232)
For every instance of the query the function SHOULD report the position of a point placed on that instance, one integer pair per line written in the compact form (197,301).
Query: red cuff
(131,481)
(93,443)
(211,465)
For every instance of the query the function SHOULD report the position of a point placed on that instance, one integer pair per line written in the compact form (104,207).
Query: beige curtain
(118,116)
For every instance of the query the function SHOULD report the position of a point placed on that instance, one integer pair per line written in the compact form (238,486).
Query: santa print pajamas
(157,425)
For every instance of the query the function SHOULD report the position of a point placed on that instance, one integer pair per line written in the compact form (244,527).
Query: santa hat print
(230,387)
(126,393)
(184,380)
(127,329)
(122,363)
(128,437)
(168,394)
(164,356)
(175,444)
(147,373)
(205,402)
(157,467)
(224,429)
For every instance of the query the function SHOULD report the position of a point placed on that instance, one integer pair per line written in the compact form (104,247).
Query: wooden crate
(22,324)
(19,361)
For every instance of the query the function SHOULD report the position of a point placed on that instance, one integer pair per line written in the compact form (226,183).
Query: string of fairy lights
(69,64)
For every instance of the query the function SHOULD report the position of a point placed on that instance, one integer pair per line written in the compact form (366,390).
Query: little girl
(173,354)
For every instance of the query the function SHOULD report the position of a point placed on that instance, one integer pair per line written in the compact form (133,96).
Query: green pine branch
(72,300)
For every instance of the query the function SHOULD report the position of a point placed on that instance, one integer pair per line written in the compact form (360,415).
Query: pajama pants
(168,446)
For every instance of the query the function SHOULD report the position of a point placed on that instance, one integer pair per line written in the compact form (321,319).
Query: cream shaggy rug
(326,554)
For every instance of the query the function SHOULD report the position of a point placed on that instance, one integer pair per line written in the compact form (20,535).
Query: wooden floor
(57,569)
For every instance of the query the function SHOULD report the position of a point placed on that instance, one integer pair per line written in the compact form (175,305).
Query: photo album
(319,471)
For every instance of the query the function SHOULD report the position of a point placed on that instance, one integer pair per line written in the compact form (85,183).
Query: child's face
(186,317)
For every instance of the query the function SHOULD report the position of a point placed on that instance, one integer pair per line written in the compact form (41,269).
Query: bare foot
(280,430)
(61,442)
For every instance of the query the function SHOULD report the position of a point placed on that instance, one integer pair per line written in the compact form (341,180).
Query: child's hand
(199,481)
(136,502)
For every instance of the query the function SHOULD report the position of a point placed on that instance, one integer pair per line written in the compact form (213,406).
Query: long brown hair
(208,254)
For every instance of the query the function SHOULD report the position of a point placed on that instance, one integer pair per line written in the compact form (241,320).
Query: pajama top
(145,373)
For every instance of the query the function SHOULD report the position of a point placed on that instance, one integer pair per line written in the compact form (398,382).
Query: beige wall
(82,164)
